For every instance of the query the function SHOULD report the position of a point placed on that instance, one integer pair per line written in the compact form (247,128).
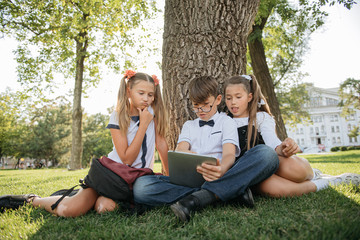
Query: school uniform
(266,133)
(145,158)
(208,138)
(109,176)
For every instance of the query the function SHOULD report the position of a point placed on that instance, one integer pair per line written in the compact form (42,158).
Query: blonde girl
(137,126)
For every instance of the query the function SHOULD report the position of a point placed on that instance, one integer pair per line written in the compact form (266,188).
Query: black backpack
(104,181)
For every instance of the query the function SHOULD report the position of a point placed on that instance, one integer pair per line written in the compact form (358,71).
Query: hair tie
(262,102)
(247,77)
(129,74)
(156,80)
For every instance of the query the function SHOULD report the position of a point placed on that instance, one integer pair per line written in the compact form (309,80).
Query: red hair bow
(156,80)
(129,74)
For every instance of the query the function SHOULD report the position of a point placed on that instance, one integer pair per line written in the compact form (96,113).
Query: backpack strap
(67,193)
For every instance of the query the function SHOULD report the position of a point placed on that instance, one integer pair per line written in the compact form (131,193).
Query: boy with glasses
(213,134)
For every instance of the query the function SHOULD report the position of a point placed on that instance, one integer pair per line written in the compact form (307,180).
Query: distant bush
(351,148)
(343,148)
(334,149)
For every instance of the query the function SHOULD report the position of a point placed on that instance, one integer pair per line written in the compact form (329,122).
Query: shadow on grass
(328,214)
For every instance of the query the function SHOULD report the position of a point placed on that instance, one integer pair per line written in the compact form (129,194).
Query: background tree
(349,93)
(201,38)
(97,138)
(354,132)
(72,38)
(50,130)
(13,113)
(7,120)
(277,43)
(292,101)
(44,131)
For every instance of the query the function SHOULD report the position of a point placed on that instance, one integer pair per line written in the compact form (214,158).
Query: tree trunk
(76,148)
(262,74)
(201,37)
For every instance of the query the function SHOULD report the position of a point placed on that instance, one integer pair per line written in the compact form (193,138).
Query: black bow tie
(210,123)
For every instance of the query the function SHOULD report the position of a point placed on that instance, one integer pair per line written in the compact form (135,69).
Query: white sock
(321,184)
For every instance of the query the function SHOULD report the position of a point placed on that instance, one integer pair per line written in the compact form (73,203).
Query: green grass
(333,213)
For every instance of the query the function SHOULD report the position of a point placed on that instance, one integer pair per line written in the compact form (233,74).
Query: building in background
(327,128)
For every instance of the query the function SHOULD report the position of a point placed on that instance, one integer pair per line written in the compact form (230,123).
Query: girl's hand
(145,116)
(289,147)
(211,172)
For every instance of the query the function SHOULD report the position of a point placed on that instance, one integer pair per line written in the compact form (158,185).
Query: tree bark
(262,74)
(77,148)
(201,38)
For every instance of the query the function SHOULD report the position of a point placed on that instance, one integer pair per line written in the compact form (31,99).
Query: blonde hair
(123,104)
(255,105)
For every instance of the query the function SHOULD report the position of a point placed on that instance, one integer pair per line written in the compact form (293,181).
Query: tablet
(182,168)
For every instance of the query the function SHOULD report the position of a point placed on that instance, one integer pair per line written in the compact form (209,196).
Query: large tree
(277,43)
(202,38)
(73,38)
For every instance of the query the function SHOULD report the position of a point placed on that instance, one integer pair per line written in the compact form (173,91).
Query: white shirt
(150,141)
(266,127)
(208,140)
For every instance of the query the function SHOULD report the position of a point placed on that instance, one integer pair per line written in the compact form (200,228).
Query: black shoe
(247,199)
(14,201)
(184,207)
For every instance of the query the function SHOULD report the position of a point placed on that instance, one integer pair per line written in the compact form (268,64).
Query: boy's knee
(268,156)
(265,150)
(144,188)
(139,190)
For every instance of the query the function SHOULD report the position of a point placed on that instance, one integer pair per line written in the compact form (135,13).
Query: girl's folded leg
(276,186)
(295,169)
(74,206)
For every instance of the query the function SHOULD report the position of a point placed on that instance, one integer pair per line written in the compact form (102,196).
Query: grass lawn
(333,213)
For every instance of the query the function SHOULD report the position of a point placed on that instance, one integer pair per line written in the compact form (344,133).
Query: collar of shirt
(214,117)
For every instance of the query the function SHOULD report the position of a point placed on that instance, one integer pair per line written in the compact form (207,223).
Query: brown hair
(201,88)
(251,86)
(123,104)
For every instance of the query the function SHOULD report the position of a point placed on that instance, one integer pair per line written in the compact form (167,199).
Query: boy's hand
(145,116)
(210,172)
(288,148)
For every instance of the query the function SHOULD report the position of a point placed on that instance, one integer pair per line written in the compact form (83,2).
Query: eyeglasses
(205,109)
